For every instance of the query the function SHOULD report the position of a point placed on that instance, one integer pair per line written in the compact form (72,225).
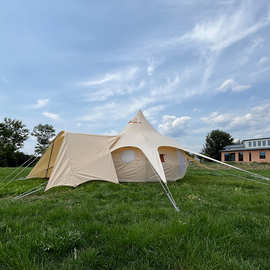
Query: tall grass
(223,223)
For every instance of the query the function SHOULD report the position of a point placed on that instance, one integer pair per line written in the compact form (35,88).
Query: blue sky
(88,66)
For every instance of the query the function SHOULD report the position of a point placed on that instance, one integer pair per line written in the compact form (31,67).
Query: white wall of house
(257,143)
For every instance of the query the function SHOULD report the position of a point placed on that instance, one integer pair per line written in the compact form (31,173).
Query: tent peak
(139,118)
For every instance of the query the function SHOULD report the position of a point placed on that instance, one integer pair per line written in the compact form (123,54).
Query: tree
(43,133)
(13,133)
(215,141)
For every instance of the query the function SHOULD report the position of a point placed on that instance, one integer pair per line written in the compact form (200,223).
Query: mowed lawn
(223,223)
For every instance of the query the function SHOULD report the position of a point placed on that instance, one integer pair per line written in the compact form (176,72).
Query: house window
(262,155)
(264,143)
(240,156)
(229,157)
(269,142)
(250,156)
(254,143)
(259,143)
(249,144)
(162,157)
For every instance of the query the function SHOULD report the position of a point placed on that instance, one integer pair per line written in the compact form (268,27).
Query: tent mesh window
(127,156)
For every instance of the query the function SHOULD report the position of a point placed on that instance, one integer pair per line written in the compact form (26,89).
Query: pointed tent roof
(141,134)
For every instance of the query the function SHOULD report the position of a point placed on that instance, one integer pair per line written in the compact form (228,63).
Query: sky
(88,66)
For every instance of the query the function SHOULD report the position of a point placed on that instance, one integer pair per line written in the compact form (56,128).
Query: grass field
(223,223)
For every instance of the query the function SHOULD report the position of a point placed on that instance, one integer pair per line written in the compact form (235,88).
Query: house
(251,150)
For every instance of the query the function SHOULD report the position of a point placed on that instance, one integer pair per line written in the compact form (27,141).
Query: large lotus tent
(138,154)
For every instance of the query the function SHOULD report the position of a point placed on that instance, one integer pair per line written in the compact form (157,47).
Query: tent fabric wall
(137,170)
(140,170)
(174,165)
(83,158)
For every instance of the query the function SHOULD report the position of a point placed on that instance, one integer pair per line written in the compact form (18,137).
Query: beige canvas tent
(138,154)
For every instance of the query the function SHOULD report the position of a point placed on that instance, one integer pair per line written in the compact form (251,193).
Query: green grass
(223,223)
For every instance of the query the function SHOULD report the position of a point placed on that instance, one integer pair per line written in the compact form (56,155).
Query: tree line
(13,134)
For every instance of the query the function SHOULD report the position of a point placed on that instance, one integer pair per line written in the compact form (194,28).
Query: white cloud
(121,83)
(41,103)
(209,37)
(264,60)
(151,112)
(226,84)
(113,111)
(103,94)
(217,118)
(260,73)
(151,67)
(232,85)
(256,43)
(218,34)
(169,87)
(254,46)
(107,78)
(150,89)
(228,120)
(120,76)
(240,88)
(52,116)
(174,126)
(224,30)
(255,120)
